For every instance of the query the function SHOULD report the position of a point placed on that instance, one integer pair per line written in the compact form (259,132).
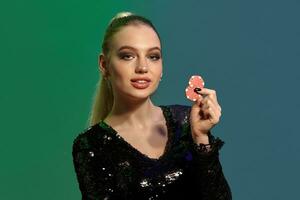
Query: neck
(138,114)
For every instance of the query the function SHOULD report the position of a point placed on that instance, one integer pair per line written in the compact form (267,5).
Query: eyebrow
(130,47)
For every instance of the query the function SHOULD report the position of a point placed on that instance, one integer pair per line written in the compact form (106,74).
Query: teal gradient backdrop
(248,51)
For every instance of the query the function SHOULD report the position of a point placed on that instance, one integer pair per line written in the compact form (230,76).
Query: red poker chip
(195,81)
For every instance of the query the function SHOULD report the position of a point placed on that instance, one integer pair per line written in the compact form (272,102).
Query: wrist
(202,138)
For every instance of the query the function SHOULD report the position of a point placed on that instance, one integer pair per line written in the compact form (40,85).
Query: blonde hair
(103,97)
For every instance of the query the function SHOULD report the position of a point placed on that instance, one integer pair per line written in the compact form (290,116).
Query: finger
(196,109)
(211,94)
(209,104)
(212,101)
(197,103)
(211,113)
(213,116)
(208,92)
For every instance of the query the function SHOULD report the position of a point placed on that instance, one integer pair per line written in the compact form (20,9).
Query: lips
(141,79)
(140,83)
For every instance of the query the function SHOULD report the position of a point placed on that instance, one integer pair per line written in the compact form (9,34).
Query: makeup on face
(140,84)
(127,52)
(136,59)
(196,83)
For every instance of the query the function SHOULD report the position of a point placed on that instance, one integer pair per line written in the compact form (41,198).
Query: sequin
(172,176)
(145,183)
(124,164)
(91,154)
(120,171)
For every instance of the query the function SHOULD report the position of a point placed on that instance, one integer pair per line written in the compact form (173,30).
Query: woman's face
(135,52)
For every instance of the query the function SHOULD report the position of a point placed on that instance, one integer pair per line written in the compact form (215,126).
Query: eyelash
(123,56)
(157,57)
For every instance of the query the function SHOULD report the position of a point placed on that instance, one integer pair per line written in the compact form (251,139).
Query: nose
(142,66)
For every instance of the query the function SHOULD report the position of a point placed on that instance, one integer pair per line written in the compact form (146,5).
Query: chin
(140,94)
(134,93)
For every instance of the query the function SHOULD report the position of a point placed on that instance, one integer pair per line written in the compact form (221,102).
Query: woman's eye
(154,57)
(126,56)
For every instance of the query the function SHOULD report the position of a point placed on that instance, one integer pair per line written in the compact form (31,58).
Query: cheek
(121,79)
(118,71)
(159,72)
(156,67)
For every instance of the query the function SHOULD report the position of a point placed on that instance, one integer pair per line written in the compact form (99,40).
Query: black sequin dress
(107,167)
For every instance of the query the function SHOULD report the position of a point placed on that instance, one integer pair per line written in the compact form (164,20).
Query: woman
(134,149)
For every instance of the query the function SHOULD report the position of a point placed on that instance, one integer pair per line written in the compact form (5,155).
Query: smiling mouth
(140,84)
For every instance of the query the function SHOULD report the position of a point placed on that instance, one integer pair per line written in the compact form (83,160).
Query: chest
(149,141)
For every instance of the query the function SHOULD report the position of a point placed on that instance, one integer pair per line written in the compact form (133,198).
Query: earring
(160,77)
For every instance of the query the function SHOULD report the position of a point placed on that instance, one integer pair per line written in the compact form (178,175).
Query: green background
(248,51)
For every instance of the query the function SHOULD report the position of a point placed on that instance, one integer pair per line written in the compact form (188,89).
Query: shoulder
(179,106)
(180,125)
(87,138)
(180,113)
(181,116)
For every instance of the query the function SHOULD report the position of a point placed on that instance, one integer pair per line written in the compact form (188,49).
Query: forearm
(208,169)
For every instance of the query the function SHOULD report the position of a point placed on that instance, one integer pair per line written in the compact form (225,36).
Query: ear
(102,64)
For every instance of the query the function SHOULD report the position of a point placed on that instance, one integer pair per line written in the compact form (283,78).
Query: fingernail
(197,90)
